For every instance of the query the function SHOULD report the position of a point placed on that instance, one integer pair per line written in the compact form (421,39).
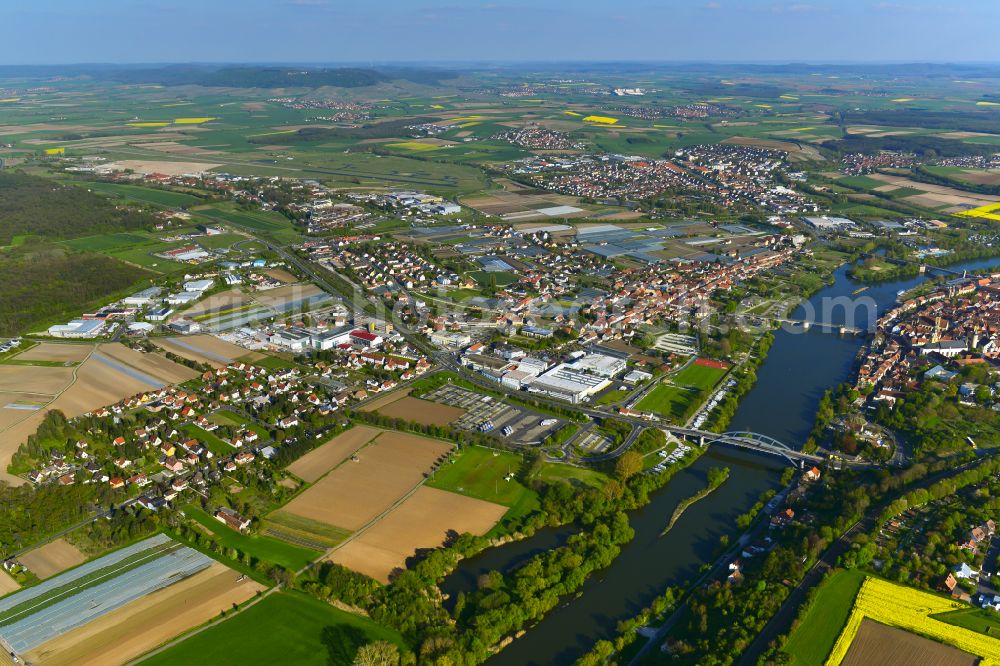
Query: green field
(215,444)
(672,401)
(503,278)
(133,247)
(284,628)
(699,376)
(143,194)
(263,548)
(479,472)
(861,182)
(303,531)
(612,397)
(109,242)
(689,389)
(979,620)
(266,223)
(219,241)
(553,472)
(811,641)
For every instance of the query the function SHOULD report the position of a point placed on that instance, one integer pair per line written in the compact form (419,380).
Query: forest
(923,146)
(266,77)
(33,206)
(47,283)
(380,130)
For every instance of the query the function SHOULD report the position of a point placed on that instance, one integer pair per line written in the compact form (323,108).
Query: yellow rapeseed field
(148,124)
(985,212)
(903,99)
(192,121)
(603,120)
(987,103)
(55,151)
(572,113)
(910,609)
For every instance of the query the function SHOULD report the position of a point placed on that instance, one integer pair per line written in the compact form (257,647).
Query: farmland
(303,532)
(424,520)
(50,351)
(52,558)
(150,590)
(378,493)
(263,548)
(353,494)
(110,373)
(135,629)
(421,411)
(322,459)
(146,195)
(813,638)
(911,610)
(877,643)
(204,349)
(309,632)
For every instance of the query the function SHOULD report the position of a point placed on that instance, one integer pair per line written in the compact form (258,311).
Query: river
(800,366)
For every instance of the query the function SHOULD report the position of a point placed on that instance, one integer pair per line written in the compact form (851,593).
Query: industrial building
(78,328)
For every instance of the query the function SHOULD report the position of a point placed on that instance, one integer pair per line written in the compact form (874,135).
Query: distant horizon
(55,32)
(482,63)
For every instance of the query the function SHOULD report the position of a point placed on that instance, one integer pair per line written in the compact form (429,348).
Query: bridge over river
(753,441)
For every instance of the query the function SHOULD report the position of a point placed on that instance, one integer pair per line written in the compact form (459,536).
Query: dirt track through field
(140,626)
(153,364)
(103,378)
(205,349)
(322,459)
(423,520)
(356,492)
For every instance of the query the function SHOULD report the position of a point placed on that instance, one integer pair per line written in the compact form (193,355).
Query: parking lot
(483,411)
(593,443)
(677,343)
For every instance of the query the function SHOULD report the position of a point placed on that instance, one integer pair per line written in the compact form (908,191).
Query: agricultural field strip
(83,570)
(910,609)
(126,370)
(78,610)
(198,350)
(77,586)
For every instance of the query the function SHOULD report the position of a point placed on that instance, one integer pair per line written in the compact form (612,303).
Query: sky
(374,31)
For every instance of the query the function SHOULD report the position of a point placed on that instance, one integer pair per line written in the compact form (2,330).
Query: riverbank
(650,563)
